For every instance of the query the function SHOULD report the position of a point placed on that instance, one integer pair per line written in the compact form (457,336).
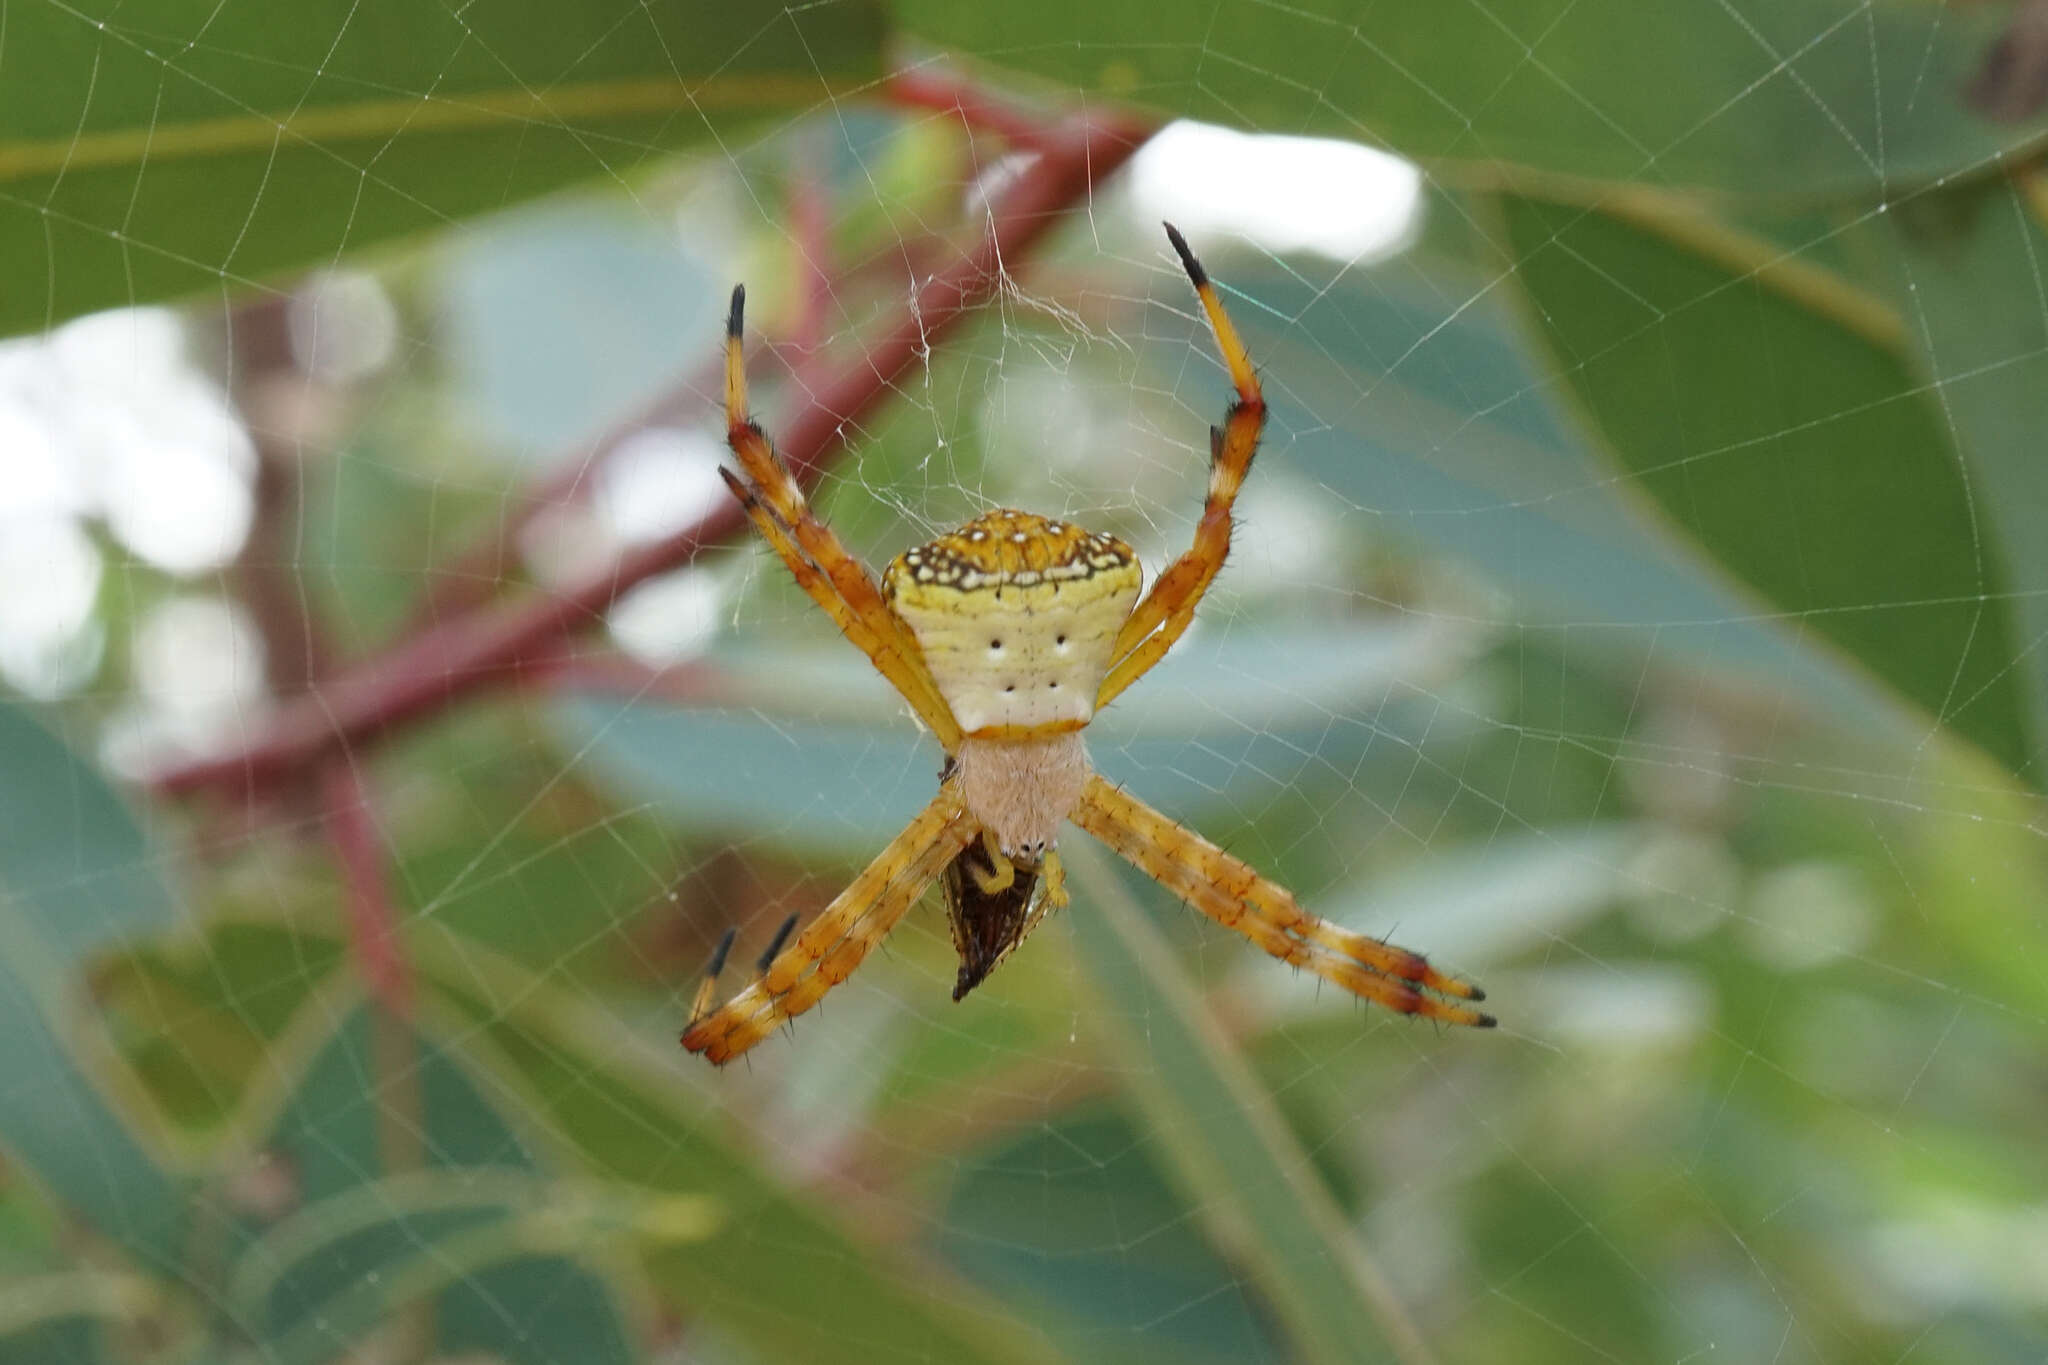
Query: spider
(1006,637)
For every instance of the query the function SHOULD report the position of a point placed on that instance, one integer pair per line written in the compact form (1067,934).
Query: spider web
(1762,935)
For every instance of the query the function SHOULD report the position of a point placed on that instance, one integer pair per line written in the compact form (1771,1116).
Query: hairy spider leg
(826,570)
(707,989)
(834,943)
(910,679)
(1229,891)
(1164,614)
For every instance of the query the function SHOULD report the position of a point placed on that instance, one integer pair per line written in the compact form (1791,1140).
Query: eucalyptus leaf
(1790,97)
(776,1271)
(423,1235)
(1236,1162)
(77,875)
(1772,414)
(1408,391)
(1967,269)
(61,1318)
(827,757)
(201,145)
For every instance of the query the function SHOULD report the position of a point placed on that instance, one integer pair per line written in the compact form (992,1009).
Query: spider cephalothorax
(1006,637)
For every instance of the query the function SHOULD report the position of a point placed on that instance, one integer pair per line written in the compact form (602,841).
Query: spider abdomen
(1016,616)
(1023,790)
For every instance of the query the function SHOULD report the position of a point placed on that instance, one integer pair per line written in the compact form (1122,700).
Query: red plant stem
(372,918)
(930,87)
(490,646)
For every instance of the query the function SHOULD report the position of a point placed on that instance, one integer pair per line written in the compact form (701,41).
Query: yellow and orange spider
(1006,637)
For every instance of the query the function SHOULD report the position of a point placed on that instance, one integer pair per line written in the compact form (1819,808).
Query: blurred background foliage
(1638,606)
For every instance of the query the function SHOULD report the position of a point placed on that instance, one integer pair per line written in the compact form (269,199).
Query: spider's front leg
(827,571)
(1164,615)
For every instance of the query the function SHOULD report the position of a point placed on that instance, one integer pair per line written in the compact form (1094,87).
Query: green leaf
(56,1319)
(1075,1211)
(345,1266)
(1772,414)
(777,1272)
(1783,96)
(76,875)
(378,1095)
(832,758)
(1407,390)
(196,144)
(1256,1190)
(1974,291)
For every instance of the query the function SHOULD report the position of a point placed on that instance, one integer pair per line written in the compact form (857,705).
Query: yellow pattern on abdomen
(1016,616)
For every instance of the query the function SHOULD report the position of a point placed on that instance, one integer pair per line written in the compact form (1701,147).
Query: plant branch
(489,646)
(372,917)
(933,87)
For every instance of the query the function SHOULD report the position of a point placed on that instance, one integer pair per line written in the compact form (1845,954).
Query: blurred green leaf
(1797,97)
(1407,389)
(1972,291)
(1772,414)
(378,1095)
(348,1265)
(1076,1212)
(777,1272)
(76,875)
(196,1017)
(1239,1166)
(61,1318)
(203,144)
(833,760)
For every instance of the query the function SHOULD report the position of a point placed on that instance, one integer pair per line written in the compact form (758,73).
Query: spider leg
(1055,873)
(910,679)
(826,570)
(708,987)
(1003,873)
(1229,891)
(796,977)
(1159,620)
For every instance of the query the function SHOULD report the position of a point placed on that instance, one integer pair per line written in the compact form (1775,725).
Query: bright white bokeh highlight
(106,420)
(1342,199)
(657,482)
(49,581)
(344,327)
(107,417)
(200,681)
(671,617)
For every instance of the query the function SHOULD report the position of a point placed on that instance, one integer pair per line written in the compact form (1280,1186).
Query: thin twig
(933,87)
(372,915)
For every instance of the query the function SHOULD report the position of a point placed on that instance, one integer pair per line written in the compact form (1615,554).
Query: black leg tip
(1187,257)
(1477,994)
(775,944)
(718,954)
(736,319)
(1486,1021)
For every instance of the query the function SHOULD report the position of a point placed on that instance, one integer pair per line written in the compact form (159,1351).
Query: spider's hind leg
(707,989)
(796,976)
(1232,893)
